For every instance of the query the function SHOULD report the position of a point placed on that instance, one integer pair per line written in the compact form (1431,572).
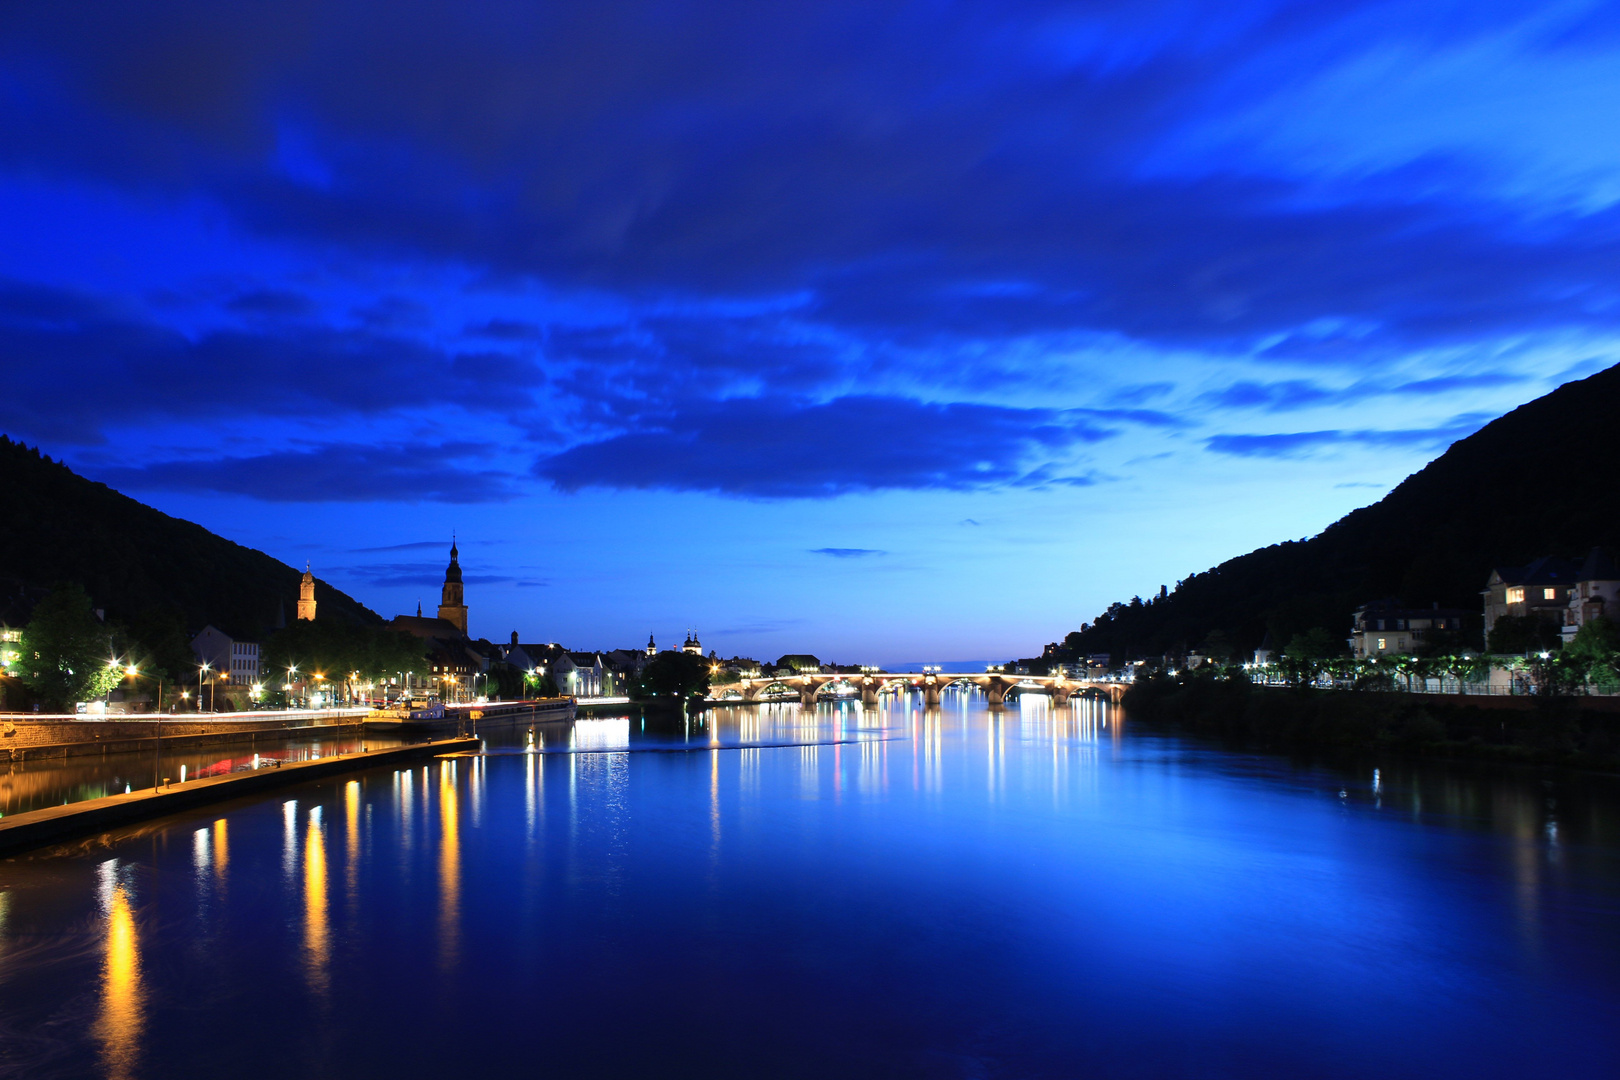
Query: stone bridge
(995,684)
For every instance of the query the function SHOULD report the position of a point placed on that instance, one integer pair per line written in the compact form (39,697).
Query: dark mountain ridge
(1542,480)
(58,526)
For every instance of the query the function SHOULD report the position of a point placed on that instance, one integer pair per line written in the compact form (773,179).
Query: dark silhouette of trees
(673,676)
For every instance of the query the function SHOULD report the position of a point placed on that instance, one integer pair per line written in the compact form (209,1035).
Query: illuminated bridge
(997,685)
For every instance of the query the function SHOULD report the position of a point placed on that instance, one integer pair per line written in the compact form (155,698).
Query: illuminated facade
(1596,592)
(306,596)
(452,605)
(1540,588)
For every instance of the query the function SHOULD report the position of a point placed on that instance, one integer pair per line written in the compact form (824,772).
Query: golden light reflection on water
(123,998)
(221,852)
(449,867)
(351,827)
(317,932)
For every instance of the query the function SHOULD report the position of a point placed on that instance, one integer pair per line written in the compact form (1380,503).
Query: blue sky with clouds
(880,331)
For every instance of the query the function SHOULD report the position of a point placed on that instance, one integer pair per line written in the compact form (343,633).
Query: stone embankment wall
(24,739)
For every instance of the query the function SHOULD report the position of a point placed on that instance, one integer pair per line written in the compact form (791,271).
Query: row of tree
(68,654)
(1590,663)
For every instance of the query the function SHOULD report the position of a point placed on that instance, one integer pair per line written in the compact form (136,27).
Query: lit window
(1515,596)
(1549,594)
(1380,644)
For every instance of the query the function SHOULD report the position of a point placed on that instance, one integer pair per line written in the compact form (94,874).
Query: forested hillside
(56,526)
(1542,480)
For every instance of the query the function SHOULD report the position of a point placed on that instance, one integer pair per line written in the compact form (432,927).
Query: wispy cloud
(449,472)
(847,553)
(1302,443)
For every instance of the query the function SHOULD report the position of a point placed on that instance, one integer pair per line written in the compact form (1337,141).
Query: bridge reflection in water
(871,687)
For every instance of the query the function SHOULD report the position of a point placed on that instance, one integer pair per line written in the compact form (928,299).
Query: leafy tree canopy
(335,648)
(66,654)
(1523,634)
(1314,644)
(673,675)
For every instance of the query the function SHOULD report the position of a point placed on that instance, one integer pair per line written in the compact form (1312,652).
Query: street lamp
(200,672)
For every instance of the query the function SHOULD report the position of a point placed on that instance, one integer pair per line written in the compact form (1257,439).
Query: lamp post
(200,672)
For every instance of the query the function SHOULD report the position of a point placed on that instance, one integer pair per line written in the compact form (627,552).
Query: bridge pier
(930,692)
(869,692)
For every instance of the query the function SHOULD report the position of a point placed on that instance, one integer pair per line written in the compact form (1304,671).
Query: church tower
(451,606)
(306,595)
(652,647)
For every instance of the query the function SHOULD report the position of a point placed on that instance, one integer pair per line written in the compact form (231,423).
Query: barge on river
(434,717)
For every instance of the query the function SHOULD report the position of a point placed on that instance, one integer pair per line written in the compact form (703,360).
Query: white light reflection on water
(289,839)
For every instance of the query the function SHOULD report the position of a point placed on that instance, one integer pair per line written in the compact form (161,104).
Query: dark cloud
(450,473)
(781,449)
(123,367)
(271,302)
(415,545)
(506,330)
(1303,443)
(427,576)
(393,313)
(847,553)
(915,175)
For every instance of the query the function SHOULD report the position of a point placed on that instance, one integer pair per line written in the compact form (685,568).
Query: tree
(673,675)
(66,654)
(157,642)
(1219,647)
(1465,667)
(1314,644)
(1523,634)
(1595,653)
(336,648)
(1307,653)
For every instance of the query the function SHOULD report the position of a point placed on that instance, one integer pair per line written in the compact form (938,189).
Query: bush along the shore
(1552,730)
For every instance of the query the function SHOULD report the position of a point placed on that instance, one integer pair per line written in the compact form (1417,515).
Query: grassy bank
(1555,731)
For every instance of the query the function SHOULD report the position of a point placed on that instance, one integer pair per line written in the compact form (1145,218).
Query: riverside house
(1383,627)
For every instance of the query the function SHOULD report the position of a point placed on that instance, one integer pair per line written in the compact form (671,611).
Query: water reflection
(1125,903)
(221,852)
(52,781)
(351,832)
(122,1018)
(317,944)
(449,868)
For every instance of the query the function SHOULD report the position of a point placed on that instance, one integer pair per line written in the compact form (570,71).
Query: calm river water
(891,893)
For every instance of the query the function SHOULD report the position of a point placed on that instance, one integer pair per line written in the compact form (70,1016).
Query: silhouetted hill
(57,526)
(1541,480)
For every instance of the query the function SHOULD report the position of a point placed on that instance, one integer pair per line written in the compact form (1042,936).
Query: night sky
(889,332)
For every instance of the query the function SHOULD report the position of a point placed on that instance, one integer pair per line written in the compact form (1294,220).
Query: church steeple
(306,595)
(452,605)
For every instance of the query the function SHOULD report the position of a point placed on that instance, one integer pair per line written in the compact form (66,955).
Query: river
(888,893)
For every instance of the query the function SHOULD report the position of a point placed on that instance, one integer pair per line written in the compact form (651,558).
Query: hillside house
(1596,591)
(1540,588)
(1383,627)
